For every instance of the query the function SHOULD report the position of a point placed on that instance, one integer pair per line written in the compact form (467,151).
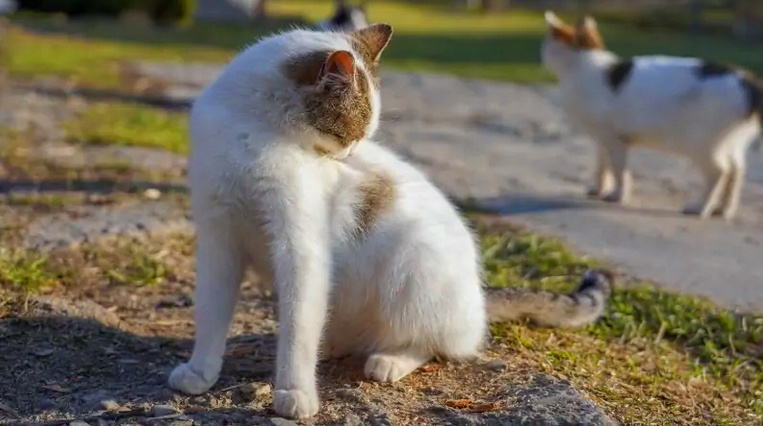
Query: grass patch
(428,38)
(25,271)
(656,358)
(129,124)
(667,346)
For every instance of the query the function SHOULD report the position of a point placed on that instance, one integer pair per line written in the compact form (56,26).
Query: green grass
(427,38)
(129,124)
(655,358)
(25,271)
(691,338)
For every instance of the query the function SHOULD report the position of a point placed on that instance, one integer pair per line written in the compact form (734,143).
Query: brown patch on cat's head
(335,95)
(377,196)
(370,42)
(584,36)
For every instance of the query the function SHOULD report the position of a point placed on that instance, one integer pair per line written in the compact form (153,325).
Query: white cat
(707,112)
(365,255)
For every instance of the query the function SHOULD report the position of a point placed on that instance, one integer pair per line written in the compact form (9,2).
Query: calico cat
(707,112)
(365,255)
(346,18)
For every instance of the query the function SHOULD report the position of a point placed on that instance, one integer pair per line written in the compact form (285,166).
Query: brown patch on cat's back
(377,196)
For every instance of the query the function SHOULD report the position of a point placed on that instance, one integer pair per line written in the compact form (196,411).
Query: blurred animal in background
(708,112)
(346,18)
(7,6)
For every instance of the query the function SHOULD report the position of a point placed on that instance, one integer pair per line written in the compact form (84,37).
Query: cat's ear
(587,34)
(552,21)
(339,69)
(374,39)
(588,23)
(558,30)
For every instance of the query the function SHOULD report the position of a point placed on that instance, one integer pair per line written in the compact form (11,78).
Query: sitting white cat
(365,255)
(707,112)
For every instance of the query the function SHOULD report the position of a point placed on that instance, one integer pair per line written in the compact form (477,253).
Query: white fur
(663,105)
(404,292)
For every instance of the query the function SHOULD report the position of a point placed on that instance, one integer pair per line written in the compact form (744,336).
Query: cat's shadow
(59,367)
(522,204)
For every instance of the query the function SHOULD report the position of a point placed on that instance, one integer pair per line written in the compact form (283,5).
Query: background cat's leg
(716,174)
(219,267)
(393,366)
(604,179)
(733,191)
(618,158)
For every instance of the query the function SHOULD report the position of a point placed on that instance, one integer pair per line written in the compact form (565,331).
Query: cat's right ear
(339,68)
(558,29)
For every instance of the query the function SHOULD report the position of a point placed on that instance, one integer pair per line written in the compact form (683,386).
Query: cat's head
(335,77)
(564,41)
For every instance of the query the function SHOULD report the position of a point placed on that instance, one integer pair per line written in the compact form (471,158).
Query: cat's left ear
(588,23)
(374,39)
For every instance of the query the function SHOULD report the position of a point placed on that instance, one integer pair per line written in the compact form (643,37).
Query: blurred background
(96,244)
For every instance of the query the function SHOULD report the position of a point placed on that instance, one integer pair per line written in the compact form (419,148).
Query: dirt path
(508,148)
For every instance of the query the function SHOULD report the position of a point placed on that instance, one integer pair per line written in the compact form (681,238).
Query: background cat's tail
(580,307)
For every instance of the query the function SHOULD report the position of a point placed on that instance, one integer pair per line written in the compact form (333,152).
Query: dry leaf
(459,403)
(56,388)
(431,368)
(482,408)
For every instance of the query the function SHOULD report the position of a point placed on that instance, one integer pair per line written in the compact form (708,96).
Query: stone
(352,420)
(78,423)
(496,365)
(551,402)
(163,410)
(109,405)
(278,421)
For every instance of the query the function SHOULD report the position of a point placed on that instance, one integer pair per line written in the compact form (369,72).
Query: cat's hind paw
(295,403)
(185,379)
(392,367)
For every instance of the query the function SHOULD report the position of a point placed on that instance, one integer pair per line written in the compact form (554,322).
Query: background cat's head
(348,18)
(564,41)
(338,87)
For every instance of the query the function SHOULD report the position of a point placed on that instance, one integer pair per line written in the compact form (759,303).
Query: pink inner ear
(340,62)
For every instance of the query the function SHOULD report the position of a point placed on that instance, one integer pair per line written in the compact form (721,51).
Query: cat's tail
(548,309)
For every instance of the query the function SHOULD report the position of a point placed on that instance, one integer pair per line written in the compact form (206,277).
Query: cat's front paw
(187,380)
(296,403)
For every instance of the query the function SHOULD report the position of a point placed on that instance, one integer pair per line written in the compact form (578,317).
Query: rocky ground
(113,222)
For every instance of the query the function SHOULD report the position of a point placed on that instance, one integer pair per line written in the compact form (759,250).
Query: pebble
(110,405)
(163,410)
(278,421)
(496,365)
(152,194)
(78,423)
(352,420)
